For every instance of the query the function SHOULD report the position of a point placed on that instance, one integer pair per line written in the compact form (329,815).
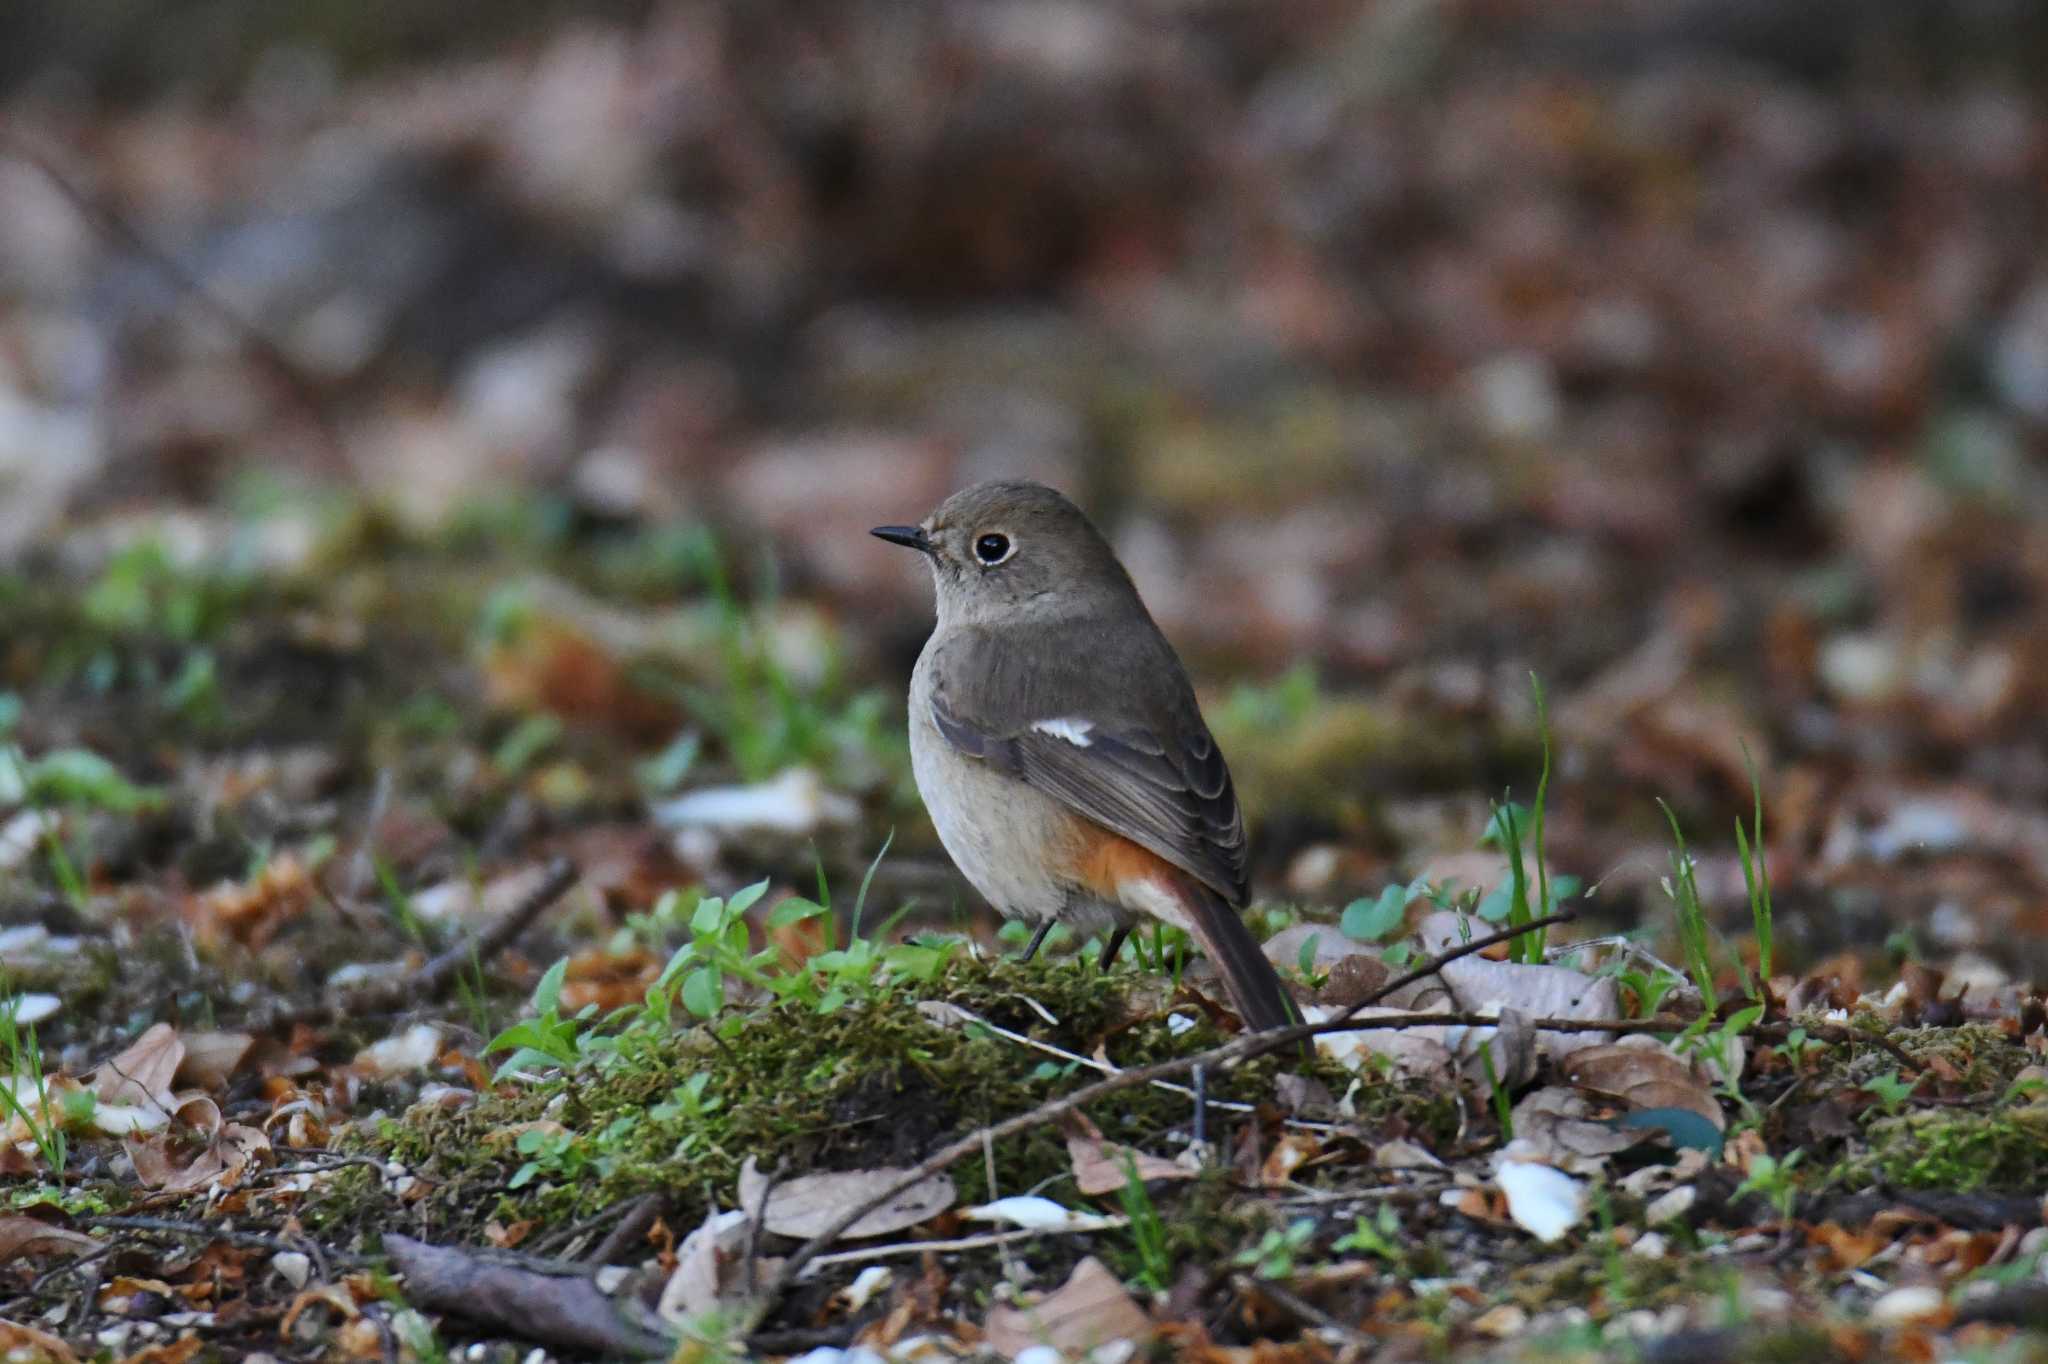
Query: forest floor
(376,985)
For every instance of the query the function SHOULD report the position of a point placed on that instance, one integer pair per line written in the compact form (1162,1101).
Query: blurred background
(474,418)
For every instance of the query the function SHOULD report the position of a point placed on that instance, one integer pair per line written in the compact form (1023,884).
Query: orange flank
(1114,869)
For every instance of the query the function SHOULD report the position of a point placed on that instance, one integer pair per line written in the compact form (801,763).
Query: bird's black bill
(911,537)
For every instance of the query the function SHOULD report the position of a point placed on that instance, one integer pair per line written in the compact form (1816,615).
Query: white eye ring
(993,547)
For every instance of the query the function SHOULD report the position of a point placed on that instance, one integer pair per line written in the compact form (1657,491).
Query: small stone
(1515,396)
(1501,1322)
(1640,1324)
(1670,1206)
(1904,1306)
(294,1267)
(1861,668)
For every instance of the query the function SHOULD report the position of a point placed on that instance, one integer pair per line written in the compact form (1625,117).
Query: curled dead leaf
(141,1073)
(1102,1167)
(807,1205)
(251,913)
(1089,1311)
(1477,984)
(227,1150)
(1643,1073)
(708,1268)
(212,1057)
(18,1341)
(1557,1124)
(1289,1154)
(26,1237)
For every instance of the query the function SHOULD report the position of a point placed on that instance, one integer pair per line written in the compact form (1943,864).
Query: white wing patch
(1073,729)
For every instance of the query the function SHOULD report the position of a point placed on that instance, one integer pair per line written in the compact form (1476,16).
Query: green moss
(874,1085)
(1959,1149)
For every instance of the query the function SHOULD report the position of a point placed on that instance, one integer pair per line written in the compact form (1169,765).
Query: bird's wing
(1055,706)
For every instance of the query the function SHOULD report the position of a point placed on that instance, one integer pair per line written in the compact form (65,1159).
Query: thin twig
(418,987)
(1193,1093)
(1301,1309)
(755,1217)
(632,1225)
(214,1232)
(982,1242)
(1842,1037)
(1242,1048)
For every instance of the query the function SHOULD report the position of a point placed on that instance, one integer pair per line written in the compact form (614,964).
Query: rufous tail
(1255,989)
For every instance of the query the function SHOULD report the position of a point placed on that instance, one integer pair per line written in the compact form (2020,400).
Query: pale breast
(1004,836)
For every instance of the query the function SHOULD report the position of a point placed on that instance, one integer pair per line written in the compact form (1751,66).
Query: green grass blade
(1692,916)
(1529,947)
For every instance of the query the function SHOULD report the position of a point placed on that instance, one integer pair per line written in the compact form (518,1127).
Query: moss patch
(1961,1150)
(871,1085)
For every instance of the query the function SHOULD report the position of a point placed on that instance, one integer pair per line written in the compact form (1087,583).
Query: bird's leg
(1031,948)
(1114,945)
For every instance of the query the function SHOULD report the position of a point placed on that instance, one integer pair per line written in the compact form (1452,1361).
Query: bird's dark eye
(992,548)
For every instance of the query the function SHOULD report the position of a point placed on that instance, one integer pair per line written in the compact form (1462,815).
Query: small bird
(1058,745)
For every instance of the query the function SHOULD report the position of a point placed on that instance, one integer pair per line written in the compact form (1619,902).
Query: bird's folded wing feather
(1044,706)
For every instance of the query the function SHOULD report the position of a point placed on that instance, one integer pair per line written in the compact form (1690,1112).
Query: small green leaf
(704,991)
(1510,824)
(76,776)
(684,955)
(528,740)
(664,772)
(794,910)
(1496,904)
(743,899)
(548,993)
(1370,920)
(709,918)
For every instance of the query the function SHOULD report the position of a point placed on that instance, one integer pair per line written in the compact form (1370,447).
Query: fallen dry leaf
(141,1074)
(251,914)
(1555,1122)
(25,1237)
(180,1351)
(1401,1154)
(212,1057)
(1479,985)
(1087,1312)
(808,1204)
(1643,1073)
(796,802)
(18,1341)
(1102,1167)
(1846,1249)
(226,1150)
(1416,1052)
(608,979)
(1289,1154)
(708,1268)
